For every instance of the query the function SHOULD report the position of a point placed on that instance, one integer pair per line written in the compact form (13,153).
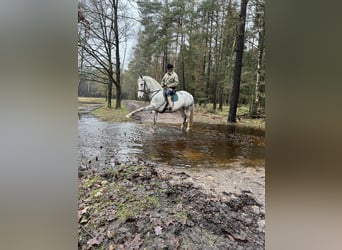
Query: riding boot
(169,102)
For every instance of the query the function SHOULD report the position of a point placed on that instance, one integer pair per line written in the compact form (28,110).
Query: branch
(96,57)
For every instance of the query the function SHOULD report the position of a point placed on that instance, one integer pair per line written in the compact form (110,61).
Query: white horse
(182,101)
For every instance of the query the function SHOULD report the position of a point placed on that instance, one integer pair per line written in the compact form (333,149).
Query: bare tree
(83,33)
(102,45)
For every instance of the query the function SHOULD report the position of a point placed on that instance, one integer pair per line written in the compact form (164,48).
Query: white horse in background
(182,101)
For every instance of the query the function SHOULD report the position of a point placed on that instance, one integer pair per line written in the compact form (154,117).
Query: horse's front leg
(184,119)
(188,127)
(135,111)
(146,108)
(155,116)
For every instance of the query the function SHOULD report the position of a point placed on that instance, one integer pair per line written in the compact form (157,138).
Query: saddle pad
(174,97)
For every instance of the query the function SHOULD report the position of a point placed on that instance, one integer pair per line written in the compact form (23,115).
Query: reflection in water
(204,146)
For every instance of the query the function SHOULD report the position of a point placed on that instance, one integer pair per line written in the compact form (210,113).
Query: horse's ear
(141,77)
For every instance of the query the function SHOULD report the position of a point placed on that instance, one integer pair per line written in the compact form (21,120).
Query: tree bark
(117,57)
(238,63)
(109,92)
(256,99)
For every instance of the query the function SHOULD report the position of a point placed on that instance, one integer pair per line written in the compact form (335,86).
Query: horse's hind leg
(188,113)
(184,118)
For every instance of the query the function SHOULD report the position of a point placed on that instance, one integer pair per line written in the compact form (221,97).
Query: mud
(142,207)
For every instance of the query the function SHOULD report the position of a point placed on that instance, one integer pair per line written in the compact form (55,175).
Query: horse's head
(141,87)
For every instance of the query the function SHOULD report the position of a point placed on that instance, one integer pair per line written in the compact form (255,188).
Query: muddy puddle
(206,146)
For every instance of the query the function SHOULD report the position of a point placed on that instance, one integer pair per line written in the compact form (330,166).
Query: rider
(169,83)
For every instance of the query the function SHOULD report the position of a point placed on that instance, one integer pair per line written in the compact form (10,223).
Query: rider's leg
(168,95)
(169,101)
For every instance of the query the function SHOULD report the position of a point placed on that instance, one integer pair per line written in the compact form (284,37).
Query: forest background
(203,39)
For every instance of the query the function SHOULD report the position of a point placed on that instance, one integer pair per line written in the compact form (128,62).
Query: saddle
(174,98)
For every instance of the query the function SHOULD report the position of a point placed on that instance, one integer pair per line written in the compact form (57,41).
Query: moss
(134,205)
(152,201)
(92,181)
(181,215)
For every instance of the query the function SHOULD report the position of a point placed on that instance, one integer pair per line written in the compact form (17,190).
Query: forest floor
(147,206)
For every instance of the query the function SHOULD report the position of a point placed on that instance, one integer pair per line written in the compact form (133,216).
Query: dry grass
(117,115)
(208,115)
(91,100)
(104,113)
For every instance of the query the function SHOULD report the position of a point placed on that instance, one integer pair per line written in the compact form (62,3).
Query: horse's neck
(153,84)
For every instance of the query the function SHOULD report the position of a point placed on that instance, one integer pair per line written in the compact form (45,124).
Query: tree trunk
(238,63)
(185,87)
(118,97)
(217,52)
(210,21)
(256,100)
(221,99)
(109,92)
(117,57)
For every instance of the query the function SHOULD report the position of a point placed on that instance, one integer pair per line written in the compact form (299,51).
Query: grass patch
(91,100)
(104,113)
(117,115)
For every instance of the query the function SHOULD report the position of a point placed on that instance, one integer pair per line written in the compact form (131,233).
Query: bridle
(146,90)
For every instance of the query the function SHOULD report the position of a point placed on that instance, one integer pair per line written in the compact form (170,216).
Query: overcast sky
(132,40)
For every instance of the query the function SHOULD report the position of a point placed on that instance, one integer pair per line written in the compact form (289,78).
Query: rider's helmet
(169,66)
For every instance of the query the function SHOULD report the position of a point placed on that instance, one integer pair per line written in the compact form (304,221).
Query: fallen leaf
(111,247)
(85,210)
(84,220)
(169,221)
(111,215)
(97,240)
(158,230)
(182,221)
(98,194)
(135,243)
(83,215)
(110,234)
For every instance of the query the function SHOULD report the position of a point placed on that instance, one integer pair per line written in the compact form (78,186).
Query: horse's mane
(151,79)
